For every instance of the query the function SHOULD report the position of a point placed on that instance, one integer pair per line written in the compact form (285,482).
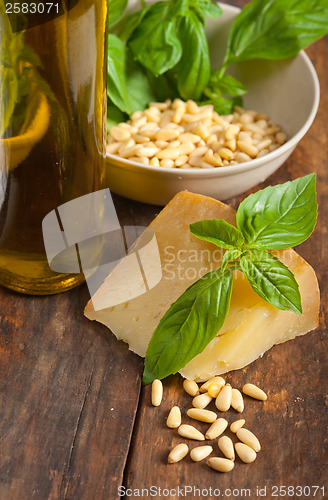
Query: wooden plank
(291,424)
(65,419)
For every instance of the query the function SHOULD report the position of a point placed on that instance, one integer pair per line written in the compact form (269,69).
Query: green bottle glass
(52,119)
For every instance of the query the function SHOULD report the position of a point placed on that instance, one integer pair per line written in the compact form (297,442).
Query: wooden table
(75,422)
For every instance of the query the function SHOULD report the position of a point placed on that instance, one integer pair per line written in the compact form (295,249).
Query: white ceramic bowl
(287,91)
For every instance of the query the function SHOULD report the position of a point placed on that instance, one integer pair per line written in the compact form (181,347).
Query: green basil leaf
(219,232)
(116,10)
(223,105)
(279,216)
(193,72)
(229,256)
(206,8)
(189,325)
(276,29)
(226,84)
(116,77)
(139,90)
(114,115)
(128,87)
(272,280)
(154,42)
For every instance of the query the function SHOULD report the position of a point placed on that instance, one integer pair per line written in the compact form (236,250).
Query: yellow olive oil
(58,153)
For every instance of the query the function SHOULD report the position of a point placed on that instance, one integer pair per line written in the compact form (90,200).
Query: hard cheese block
(252,326)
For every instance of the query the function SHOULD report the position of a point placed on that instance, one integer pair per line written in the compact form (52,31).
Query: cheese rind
(252,326)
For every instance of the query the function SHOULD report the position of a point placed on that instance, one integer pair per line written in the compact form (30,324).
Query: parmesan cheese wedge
(252,326)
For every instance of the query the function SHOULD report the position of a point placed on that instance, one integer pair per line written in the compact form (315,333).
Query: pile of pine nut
(182,134)
(225,397)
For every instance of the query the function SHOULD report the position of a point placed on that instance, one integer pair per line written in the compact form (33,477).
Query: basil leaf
(114,115)
(189,325)
(229,256)
(279,216)
(226,84)
(272,280)
(154,42)
(116,78)
(194,68)
(128,87)
(116,10)
(205,8)
(138,86)
(276,29)
(219,232)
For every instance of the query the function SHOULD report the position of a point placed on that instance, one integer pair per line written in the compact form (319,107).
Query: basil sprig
(275,218)
(166,49)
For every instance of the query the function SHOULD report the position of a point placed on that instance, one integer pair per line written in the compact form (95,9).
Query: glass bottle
(52,146)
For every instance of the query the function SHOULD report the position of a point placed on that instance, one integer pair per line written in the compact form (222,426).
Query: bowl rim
(241,167)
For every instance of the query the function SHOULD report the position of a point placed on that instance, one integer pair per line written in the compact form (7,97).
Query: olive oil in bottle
(52,146)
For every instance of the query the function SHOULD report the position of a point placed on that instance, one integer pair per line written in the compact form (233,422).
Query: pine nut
(199,152)
(245,453)
(202,415)
(220,464)
(223,401)
(200,452)
(178,115)
(178,453)
(248,148)
(254,392)
(186,148)
(148,152)
(226,446)
(281,138)
(190,387)
(140,138)
(216,429)
(232,144)
(242,157)
(181,160)
(214,390)
(170,153)
(190,432)
(196,161)
(202,400)
(249,438)
(166,134)
(237,424)
(244,136)
(119,134)
(202,131)
(189,137)
(263,144)
(166,163)
(161,144)
(225,153)
(192,107)
(174,418)
(237,401)
(154,162)
(214,380)
(144,160)
(231,132)
(113,147)
(156,392)
(160,105)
